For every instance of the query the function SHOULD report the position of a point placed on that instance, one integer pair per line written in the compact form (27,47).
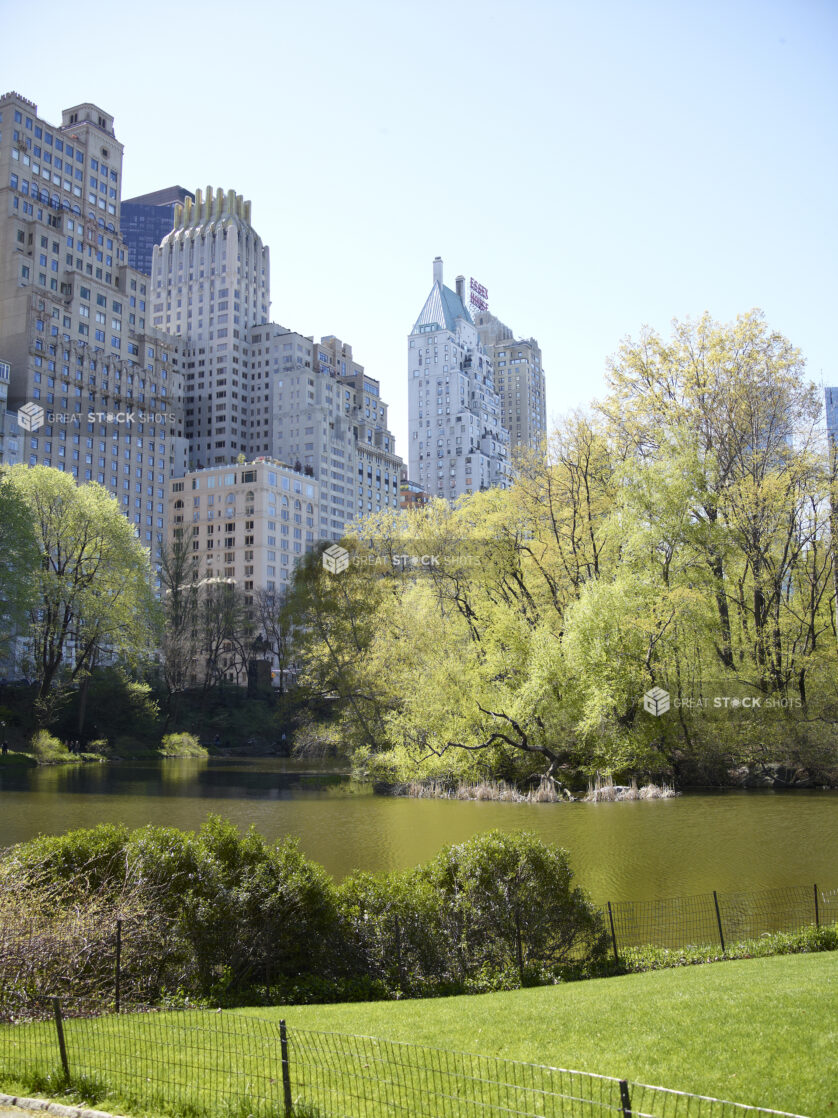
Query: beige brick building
(248,522)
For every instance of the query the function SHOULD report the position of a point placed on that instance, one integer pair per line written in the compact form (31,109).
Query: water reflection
(621,851)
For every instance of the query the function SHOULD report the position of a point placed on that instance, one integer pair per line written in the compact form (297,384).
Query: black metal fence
(718,919)
(205,1062)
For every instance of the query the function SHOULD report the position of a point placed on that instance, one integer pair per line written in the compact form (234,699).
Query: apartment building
(100,387)
(210,284)
(458,443)
(249,522)
(519,381)
(325,414)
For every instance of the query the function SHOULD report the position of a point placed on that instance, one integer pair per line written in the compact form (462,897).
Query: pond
(729,841)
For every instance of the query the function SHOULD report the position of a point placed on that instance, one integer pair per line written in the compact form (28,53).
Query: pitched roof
(442,308)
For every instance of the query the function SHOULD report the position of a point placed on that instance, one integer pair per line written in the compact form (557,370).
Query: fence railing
(206,1062)
(718,919)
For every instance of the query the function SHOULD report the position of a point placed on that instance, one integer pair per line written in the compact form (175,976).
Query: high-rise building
(9,430)
(519,381)
(831,395)
(327,417)
(99,388)
(247,521)
(145,221)
(210,283)
(458,443)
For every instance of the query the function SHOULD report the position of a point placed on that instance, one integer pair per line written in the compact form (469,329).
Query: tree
(18,560)
(179,583)
(92,583)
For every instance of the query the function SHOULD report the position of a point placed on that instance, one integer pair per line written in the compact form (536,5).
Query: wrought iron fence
(206,1062)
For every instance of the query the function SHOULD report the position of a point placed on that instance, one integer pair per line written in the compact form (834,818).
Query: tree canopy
(91,588)
(677,536)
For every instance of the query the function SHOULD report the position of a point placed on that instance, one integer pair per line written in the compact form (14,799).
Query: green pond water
(622,851)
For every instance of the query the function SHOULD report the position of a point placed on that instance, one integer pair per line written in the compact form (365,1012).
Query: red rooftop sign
(478,296)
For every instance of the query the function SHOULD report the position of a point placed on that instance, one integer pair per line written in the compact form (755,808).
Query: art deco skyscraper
(210,281)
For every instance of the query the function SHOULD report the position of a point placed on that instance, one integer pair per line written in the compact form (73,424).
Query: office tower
(457,441)
(99,388)
(145,221)
(519,381)
(326,417)
(210,282)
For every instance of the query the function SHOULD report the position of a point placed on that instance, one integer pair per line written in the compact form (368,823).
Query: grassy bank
(763,1032)
(759,1031)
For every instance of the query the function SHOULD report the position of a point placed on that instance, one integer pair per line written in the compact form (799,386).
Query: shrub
(509,903)
(47,748)
(395,927)
(182,745)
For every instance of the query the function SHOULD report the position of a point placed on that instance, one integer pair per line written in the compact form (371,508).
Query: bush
(47,748)
(509,903)
(182,745)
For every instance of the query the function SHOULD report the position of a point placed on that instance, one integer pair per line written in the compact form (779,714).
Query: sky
(599,165)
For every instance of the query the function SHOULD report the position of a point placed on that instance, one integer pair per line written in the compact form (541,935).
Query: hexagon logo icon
(30,417)
(656,701)
(335,559)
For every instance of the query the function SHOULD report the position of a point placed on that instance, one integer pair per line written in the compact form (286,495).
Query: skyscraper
(145,221)
(458,443)
(210,282)
(831,395)
(99,387)
(519,381)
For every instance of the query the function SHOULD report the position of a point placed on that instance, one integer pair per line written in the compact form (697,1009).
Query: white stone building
(210,282)
(458,443)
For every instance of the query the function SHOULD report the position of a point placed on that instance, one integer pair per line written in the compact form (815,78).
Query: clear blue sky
(597,165)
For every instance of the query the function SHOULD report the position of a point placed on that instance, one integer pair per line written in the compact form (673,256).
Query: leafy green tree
(92,585)
(19,557)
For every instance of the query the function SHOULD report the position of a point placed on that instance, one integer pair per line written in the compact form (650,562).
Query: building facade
(519,381)
(831,400)
(458,443)
(210,283)
(327,416)
(145,221)
(100,388)
(9,430)
(249,522)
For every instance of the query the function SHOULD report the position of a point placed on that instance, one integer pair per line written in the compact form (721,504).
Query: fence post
(59,1028)
(817,913)
(613,934)
(398,946)
(118,968)
(286,1071)
(625,1098)
(719,919)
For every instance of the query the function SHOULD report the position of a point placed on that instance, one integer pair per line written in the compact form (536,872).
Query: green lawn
(761,1031)
(758,1031)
